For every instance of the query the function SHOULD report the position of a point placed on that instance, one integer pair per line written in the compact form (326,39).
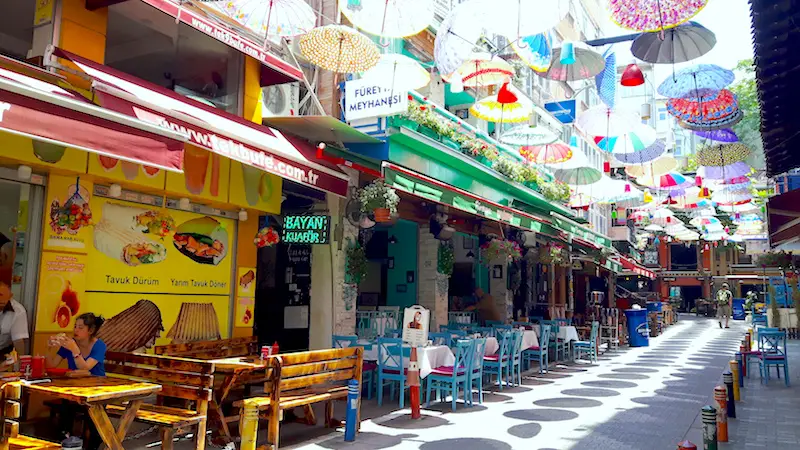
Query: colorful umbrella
(725,135)
(339,49)
(724,173)
(714,106)
(456,38)
(696,81)
(691,200)
(731,195)
(515,19)
(578,175)
(491,109)
(481,69)
(528,135)
(587,64)
(536,50)
(676,45)
(600,120)
(740,208)
(606,81)
(556,152)
(270,17)
(389,18)
(649,154)
(637,139)
(653,15)
(654,228)
(580,201)
(667,180)
(718,124)
(722,154)
(705,221)
(657,167)
(404,73)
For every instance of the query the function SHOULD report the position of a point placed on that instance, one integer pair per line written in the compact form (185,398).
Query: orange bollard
(721,397)
(413,383)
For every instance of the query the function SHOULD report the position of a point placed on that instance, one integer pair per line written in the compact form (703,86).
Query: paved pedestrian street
(637,398)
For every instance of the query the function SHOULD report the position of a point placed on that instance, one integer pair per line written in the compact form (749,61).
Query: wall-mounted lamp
(185,204)
(470,254)
(242,215)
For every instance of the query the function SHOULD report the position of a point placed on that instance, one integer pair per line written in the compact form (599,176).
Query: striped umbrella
(639,138)
(606,81)
(556,152)
(665,181)
(578,175)
(644,156)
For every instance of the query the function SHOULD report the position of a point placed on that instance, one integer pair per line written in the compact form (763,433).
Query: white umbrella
(399,72)
(456,38)
(269,17)
(600,120)
(528,135)
(389,18)
(654,227)
(519,18)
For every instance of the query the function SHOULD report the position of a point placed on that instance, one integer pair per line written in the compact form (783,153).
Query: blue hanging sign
(564,110)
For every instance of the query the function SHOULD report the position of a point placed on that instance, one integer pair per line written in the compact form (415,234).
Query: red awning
(212,129)
(45,112)
(635,267)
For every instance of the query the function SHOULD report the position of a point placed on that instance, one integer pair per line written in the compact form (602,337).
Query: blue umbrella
(606,81)
(651,153)
(696,81)
(536,51)
(725,135)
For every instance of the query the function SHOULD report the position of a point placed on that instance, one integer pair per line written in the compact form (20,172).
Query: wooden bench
(300,380)
(190,381)
(10,439)
(223,348)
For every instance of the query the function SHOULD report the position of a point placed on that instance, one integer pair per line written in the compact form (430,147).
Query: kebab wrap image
(128,246)
(195,322)
(135,328)
(156,222)
(203,240)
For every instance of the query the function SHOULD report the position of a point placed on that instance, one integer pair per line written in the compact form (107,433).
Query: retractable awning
(45,112)
(212,129)
(633,266)
(784,218)
(578,231)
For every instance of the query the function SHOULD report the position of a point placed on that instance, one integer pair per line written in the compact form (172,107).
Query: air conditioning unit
(281,100)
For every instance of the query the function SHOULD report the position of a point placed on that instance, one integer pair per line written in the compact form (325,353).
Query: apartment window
(147,44)
(16,28)
(662,113)
(683,258)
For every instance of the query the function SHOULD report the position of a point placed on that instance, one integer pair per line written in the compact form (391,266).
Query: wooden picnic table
(95,393)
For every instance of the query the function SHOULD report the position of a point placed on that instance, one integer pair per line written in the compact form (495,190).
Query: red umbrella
(546,154)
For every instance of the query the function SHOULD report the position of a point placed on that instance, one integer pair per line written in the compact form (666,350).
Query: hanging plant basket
(380,200)
(382,215)
(266,237)
(500,250)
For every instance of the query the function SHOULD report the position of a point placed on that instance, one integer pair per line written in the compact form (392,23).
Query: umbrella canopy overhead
(714,124)
(606,81)
(725,135)
(578,175)
(404,73)
(553,153)
(528,135)
(722,154)
(653,15)
(389,18)
(637,139)
(515,19)
(270,17)
(696,81)
(588,63)
(665,181)
(657,167)
(724,173)
(491,109)
(339,49)
(600,120)
(535,50)
(481,69)
(456,38)
(677,45)
(714,107)
(651,153)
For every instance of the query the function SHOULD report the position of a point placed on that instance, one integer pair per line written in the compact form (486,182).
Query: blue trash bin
(738,309)
(638,332)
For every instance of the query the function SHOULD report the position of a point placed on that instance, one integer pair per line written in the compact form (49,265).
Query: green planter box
(484,160)
(451,143)
(404,122)
(429,132)
(532,185)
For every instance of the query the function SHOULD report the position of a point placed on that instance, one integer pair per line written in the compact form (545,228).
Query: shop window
(16,29)
(148,44)
(683,258)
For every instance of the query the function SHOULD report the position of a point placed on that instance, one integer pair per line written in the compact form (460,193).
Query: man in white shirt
(13,323)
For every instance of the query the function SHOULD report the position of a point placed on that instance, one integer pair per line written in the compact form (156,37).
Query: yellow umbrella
(658,167)
(494,109)
(339,49)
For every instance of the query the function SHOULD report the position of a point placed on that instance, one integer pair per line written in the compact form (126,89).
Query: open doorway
(690,294)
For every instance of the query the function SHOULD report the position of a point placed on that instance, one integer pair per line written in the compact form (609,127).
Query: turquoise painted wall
(404,253)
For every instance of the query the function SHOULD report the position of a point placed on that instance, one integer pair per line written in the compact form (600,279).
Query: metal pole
(709,415)
(351,418)
(727,377)
(721,397)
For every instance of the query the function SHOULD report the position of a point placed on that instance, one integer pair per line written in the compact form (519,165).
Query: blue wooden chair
(499,363)
(759,319)
(457,333)
(536,319)
(485,331)
(540,353)
(392,333)
(757,352)
(441,338)
(559,347)
(491,323)
(452,378)
(443,328)
(502,327)
(476,368)
(772,345)
(367,368)
(516,359)
(587,347)
(391,367)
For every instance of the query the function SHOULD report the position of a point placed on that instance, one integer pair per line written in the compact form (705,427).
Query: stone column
(428,295)
(503,297)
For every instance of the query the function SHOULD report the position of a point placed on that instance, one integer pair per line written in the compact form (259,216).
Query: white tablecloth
(565,333)
(492,346)
(429,357)
(529,339)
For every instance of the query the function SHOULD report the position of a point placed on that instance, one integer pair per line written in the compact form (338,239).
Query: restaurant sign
(365,98)
(307,229)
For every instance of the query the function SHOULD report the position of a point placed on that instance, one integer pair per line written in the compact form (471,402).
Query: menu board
(69,216)
(62,291)
(126,172)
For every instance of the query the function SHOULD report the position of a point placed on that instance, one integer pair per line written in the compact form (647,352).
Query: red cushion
(395,372)
(446,370)
(774,357)
(369,366)
(534,348)
(494,358)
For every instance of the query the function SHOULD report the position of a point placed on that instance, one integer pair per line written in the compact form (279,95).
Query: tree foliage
(749,129)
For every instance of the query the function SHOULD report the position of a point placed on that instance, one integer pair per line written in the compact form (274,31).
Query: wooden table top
(239,362)
(94,389)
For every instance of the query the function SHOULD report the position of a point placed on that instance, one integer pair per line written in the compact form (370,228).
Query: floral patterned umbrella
(722,154)
(536,50)
(339,49)
(389,18)
(528,135)
(653,15)
(456,38)
(717,124)
(270,17)
(649,154)
(588,63)
(553,153)
(638,139)
(482,69)
(696,81)
(714,106)
(725,135)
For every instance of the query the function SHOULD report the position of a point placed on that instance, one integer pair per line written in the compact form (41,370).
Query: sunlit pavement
(639,398)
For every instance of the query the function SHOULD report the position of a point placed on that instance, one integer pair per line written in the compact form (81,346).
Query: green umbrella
(579,176)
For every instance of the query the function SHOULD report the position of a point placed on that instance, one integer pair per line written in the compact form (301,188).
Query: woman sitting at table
(86,353)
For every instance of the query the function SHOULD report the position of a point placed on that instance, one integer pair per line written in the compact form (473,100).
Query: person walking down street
(486,307)
(724,304)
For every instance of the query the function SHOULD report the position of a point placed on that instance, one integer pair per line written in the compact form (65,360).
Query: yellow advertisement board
(205,175)
(126,172)
(245,310)
(255,189)
(62,291)
(139,321)
(139,248)
(68,214)
(246,282)
(43,154)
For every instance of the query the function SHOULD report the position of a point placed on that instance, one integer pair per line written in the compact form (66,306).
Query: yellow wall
(83,32)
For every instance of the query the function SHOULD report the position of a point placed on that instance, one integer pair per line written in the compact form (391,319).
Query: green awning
(579,231)
(424,187)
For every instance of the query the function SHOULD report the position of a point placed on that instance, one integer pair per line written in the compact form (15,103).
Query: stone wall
(428,261)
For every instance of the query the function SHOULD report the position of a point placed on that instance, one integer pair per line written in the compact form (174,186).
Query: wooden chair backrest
(223,348)
(183,378)
(319,369)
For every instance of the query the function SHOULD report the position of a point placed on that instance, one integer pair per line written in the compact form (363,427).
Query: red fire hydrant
(686,445)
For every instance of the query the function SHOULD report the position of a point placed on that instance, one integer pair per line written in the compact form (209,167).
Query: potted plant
(510,168)
(444,268)
(530,177)
(411,118)
(485,154)
(355,271)
(500,249)
(555,191)
(379,199)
